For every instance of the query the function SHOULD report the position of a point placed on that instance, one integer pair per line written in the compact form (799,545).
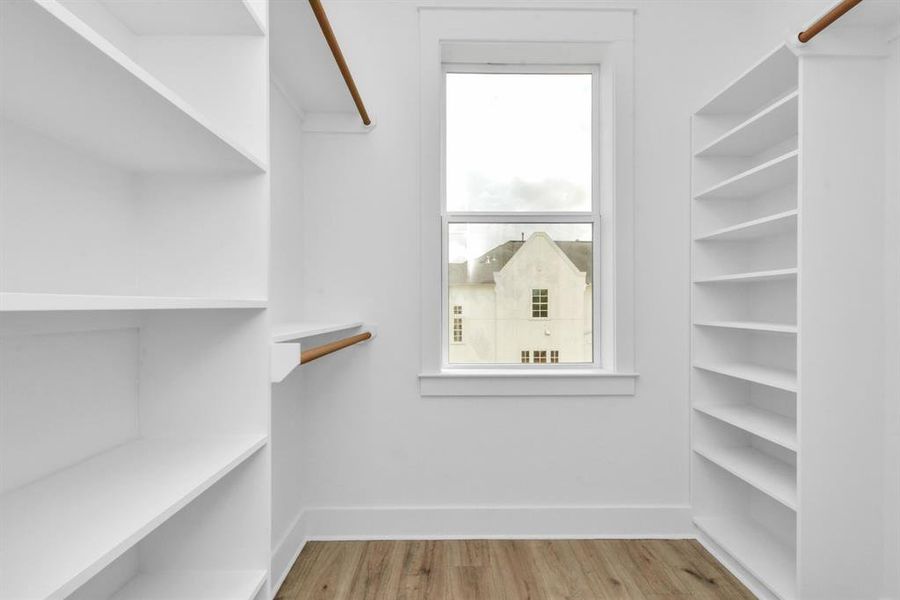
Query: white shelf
(772,125)
(187,17)
(770,275)
(289,332)
(776,378)
(750,326)
(64,79)
(193,585)
(771,77)
(766,424)
(768,176)
(61,530)
(22,302)
(764,557)
(769,475)
(777,224)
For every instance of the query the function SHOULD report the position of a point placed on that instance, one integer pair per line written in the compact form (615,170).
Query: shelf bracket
(285,358)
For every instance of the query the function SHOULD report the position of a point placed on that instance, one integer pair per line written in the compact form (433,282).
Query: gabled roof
(483,268)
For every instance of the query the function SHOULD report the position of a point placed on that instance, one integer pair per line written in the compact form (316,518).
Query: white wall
(368,439)
(285,262)
(892,329)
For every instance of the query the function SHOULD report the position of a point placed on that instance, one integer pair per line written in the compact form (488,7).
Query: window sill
(515,382)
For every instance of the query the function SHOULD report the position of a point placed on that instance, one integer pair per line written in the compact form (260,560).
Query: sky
(517,142)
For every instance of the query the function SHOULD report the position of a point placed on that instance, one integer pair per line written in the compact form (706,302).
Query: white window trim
(532,37)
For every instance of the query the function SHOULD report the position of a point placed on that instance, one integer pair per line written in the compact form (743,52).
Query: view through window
(519,217)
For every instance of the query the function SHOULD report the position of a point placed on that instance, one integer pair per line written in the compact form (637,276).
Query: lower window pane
(526,291)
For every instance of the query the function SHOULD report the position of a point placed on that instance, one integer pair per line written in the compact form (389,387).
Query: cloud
(522,195)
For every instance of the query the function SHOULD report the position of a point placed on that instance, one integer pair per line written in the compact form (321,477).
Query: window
(519,212)
(554,356)
(526,138)
(526,356)
(457,330)
(457,309)
(539,303)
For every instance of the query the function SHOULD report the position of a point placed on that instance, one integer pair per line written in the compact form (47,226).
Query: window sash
(591,217)
(540,303)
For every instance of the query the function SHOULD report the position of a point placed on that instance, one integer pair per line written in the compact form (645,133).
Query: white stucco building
(523,301)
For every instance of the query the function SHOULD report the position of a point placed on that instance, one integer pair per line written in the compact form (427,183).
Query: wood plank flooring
(510,570)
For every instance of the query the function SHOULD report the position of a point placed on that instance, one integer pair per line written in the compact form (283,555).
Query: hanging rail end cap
(792,39)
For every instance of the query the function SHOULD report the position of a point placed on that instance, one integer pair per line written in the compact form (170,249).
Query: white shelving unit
(61,530)
(777,155)
(85,80)
(745,432)
(134,437)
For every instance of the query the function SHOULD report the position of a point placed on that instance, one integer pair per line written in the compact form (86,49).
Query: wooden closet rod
(827,19)
(320,351)
(322,18)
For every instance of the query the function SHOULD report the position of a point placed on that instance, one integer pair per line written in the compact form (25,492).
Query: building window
(526,356)
(457,330)
(539,303)
(520,209)
(554,356)
(457,309)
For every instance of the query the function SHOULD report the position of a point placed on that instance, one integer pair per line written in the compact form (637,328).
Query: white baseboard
(750,582)
(529,522)
(285,553)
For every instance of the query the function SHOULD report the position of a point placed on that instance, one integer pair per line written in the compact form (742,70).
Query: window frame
(542,34)
(590,217)
(542,304)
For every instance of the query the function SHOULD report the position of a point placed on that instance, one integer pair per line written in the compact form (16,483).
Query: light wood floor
(510,570)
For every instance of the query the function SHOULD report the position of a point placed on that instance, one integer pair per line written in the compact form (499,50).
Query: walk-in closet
(449,299)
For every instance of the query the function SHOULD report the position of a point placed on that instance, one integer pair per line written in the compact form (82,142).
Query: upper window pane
(518,142)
